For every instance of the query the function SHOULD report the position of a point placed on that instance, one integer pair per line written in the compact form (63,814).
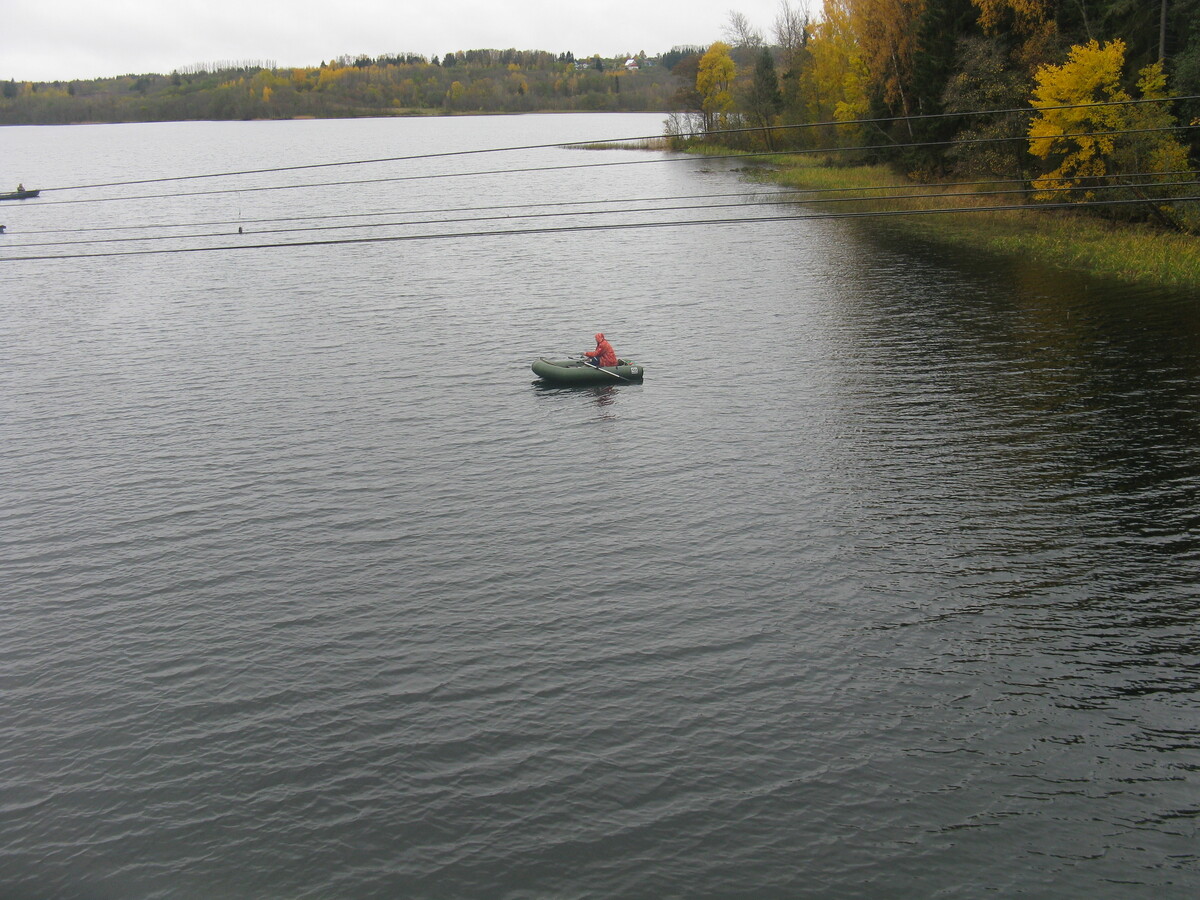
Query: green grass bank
(1063,239)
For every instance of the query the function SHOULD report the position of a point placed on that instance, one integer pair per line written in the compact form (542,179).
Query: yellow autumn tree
(714,82)
(887,35)
(331,74)
(1024,15)
(303,79)
(1091,139)
(837,79)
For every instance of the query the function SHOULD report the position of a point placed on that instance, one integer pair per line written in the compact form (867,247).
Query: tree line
(937,88)
(471,81)
(966,88)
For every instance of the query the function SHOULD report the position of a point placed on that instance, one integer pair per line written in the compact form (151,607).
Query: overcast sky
(49,40)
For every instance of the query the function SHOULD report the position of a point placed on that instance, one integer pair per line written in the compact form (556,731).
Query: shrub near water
(1131,252)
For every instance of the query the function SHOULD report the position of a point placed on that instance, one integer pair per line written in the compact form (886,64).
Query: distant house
(631,64)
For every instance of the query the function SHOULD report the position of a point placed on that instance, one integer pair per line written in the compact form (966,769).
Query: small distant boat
(573,372)
(19,195)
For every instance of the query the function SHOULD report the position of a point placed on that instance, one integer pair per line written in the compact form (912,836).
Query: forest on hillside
(926,71)
(922,70)
(472,81)
(1058,93)
(1065,95)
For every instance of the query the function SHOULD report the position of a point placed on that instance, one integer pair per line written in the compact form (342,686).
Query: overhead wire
(613,226)
(747,197)
(643,138)
(597,165)
(768,199)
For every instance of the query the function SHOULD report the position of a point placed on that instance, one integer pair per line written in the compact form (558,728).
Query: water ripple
(882,584)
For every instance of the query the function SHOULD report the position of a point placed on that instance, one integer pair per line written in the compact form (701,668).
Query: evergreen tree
(763,100)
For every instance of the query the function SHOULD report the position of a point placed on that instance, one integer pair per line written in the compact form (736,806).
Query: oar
(613,374)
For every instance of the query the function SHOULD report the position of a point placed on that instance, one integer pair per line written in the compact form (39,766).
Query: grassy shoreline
(1062,239)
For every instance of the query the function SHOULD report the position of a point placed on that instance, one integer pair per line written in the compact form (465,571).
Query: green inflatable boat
(578,372)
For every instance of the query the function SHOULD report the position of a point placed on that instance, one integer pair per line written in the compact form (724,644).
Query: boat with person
(19,194)
(580,372)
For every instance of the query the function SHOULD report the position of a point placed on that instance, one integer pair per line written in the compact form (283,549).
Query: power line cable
(525,232)
(542,169)
(643,138)
(748,197)
(601,212)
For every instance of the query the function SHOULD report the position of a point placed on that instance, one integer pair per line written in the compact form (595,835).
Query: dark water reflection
(884,584)
(1050,436)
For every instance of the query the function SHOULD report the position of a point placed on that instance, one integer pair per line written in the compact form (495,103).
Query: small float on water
(578,372)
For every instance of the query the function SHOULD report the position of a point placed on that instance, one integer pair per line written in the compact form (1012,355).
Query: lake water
(884,584)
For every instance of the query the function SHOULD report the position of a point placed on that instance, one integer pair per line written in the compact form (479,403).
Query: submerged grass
(1064,239)
(631,144)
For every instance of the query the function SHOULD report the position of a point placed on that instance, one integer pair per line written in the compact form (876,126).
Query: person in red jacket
(604,354)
